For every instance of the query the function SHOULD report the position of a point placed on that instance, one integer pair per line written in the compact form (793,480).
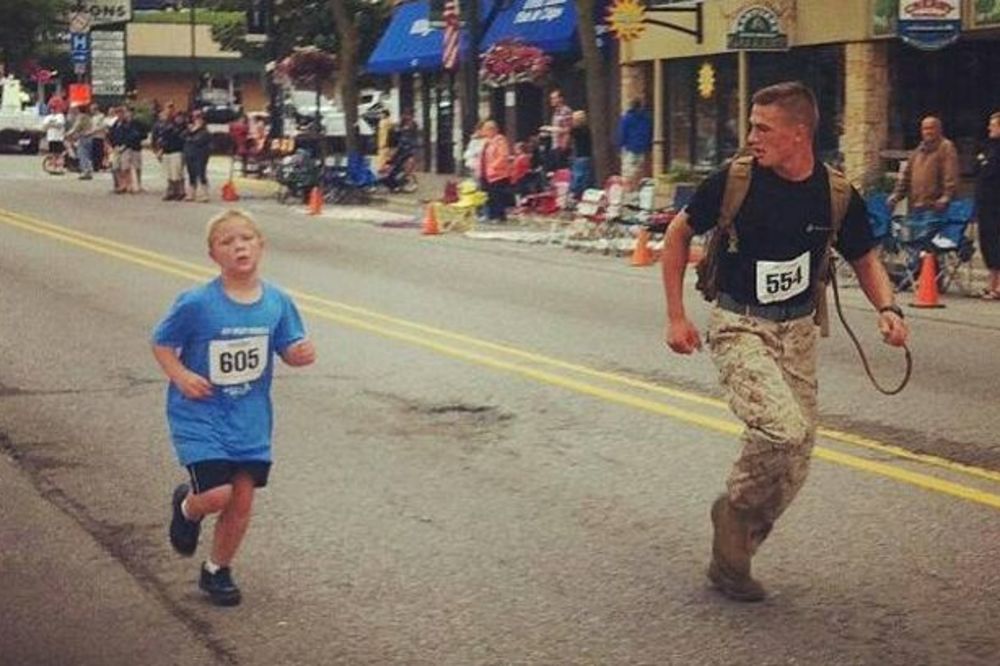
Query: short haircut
(794,98)
(225,216)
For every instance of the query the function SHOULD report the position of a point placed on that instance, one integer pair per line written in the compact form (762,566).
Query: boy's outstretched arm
(301,353)
(191,384)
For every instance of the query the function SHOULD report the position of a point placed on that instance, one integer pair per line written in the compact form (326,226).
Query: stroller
(297,174)
(352,183)
(393,176)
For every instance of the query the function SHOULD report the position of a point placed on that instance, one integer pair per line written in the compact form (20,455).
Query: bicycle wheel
(50,164)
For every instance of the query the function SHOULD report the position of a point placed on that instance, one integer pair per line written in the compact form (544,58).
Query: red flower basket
(512,61)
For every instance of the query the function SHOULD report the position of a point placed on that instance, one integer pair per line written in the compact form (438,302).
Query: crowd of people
(506,173)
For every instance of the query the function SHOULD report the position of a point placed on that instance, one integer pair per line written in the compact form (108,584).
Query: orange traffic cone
(430,227)
(229,191)
(927,289)
(315,201)
(641,256)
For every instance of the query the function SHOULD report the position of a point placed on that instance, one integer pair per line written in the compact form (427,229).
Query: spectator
(406,139)
(239,133)
(135,134)
(99,149)
(82,132)
(583,174)
(382,141)
(117,134)
(171,143)
(635,139)
(988,207)
(496,172)
(54,125)
(473,155)
(57,103)
(559,130)
(197,148)
(930,177)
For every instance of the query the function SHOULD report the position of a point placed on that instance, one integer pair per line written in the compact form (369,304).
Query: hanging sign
(765,25)
(930,24)
(626,19)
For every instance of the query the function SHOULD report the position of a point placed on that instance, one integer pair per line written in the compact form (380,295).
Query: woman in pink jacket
(496,172)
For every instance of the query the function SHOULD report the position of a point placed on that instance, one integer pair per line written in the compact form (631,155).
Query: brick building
(160,65)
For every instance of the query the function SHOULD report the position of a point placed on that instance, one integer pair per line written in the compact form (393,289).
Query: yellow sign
(626,19)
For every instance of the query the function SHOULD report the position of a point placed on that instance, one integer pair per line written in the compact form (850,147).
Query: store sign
(107,62)
(103,12)
(930,24)
(761,26)
(534,11)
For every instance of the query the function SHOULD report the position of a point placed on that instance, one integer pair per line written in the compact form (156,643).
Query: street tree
(599,114)
(28,29)
(347,47)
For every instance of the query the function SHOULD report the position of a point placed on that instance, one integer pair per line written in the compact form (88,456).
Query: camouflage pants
(768,370)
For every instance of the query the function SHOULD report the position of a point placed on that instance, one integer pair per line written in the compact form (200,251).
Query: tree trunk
(598,111)
(348,43)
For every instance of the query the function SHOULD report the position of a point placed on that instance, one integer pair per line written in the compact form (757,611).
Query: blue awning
(410,43)
(548,24)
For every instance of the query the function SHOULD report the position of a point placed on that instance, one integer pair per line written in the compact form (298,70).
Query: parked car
(218,105)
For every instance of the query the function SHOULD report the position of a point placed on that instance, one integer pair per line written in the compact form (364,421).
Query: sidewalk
(430,187)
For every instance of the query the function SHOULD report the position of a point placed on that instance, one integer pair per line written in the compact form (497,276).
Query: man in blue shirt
(635,138)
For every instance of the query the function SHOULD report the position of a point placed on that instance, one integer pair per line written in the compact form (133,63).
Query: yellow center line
(335,312)
(207,271)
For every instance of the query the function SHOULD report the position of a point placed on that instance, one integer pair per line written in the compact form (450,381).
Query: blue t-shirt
(232,345)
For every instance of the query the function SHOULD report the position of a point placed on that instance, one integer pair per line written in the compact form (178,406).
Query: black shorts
(208,474)
(56,147)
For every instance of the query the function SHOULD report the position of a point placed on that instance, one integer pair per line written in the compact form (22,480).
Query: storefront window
(957,83)
(822,69)
(701,121)
(702,130)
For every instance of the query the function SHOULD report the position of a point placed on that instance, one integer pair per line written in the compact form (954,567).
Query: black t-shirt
(779,221)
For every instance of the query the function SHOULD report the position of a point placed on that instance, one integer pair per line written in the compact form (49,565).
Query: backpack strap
(840,199)
(737,186)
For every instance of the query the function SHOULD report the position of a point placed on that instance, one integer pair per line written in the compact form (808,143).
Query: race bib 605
(781,280)
(237,361)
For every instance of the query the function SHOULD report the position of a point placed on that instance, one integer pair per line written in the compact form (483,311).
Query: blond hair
(225,216)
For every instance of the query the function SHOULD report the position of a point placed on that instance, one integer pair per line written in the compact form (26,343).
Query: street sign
(78,42)
(79,22)
(107,62)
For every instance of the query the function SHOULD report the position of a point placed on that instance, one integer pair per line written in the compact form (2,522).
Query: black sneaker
(220,586)
(183,532)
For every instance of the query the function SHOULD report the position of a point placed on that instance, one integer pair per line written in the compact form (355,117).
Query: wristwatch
(895,309)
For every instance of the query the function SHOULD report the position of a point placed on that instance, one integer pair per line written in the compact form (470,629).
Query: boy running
(216,347)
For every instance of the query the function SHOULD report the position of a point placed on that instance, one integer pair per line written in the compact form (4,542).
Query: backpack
(736,188)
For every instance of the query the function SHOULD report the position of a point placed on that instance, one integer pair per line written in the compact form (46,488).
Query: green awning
(166,64)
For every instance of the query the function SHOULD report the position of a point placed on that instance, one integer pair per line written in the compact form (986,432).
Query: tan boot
(732,548)
(189,195)
(202,194)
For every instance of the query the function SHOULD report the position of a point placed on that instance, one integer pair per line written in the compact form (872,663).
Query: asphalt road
(494,461)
